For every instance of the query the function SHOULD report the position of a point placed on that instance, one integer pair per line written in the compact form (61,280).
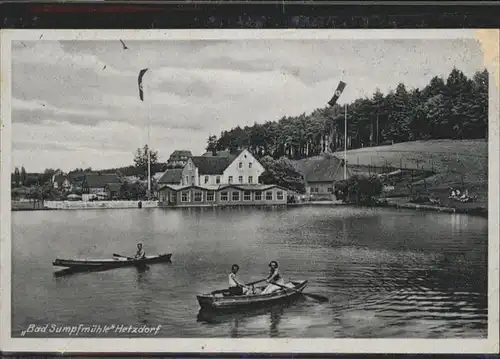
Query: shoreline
(66,205)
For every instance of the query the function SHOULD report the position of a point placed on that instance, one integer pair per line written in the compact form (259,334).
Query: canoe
(221,300)
(110,263)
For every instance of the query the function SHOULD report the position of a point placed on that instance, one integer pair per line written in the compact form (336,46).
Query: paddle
(119,255)
(247,285)
(252,283)
(318,297)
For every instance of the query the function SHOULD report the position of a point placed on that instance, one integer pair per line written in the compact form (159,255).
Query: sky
(75,104)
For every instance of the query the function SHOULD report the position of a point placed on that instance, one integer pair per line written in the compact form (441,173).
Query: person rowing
(235,287)
(274,277)
(140,254)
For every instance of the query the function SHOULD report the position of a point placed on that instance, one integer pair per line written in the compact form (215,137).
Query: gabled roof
(99,181)
(222,154)
(211,165)
(181,153)
(77,176)
(247,187)
(171,176)
(158,175)
(321,169)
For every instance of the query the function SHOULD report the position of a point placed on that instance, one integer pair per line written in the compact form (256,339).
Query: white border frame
(159,345)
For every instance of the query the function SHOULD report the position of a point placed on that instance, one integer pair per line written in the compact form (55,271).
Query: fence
(98,204)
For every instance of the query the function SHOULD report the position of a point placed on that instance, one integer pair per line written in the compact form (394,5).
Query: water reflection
(271,315)
(145,295)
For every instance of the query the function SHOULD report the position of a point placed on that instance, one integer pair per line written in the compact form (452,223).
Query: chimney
(214,152)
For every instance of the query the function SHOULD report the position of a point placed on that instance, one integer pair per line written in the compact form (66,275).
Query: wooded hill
(451,108)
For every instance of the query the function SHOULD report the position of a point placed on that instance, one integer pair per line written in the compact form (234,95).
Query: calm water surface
(387,273)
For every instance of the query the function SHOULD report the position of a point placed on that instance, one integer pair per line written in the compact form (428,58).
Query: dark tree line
(455,108)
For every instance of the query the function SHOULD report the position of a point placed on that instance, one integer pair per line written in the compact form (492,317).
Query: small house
(96,183)
(320,175)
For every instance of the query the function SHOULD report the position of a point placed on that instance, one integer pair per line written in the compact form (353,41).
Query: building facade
(320,175)
(244,169)
(224,168)
(186,175)
(222,195)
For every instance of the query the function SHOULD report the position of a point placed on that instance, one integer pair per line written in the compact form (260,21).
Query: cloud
(32,111)
(79,99)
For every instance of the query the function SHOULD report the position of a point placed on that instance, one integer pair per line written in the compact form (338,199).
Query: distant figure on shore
(274,277)
(140,252)
(235,287)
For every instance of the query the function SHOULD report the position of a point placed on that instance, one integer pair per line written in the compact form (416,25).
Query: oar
(318,297)
(247,285)
(119,255)
(257,281)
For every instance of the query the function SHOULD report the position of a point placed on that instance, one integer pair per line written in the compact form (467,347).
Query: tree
(455,108)
(479,128)
(460,96)
(358,189)
(141,161)
(17,177)
(47,175)
(23,176)
(212,144)
(282,173)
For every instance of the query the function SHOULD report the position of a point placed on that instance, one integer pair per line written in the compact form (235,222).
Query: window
(173,197)
(269,196)
(240,179)
(185,196)
(198,196)
(250,165)
(187,179)
(314,190)
(240,165)
(258,196)
(210,196)
(236,196)
(206,179)
(230,179)
(250,179)
(247,196)
(223,196)
(217,179)
(189,165)
(330,190)
(192,179)
(279,195)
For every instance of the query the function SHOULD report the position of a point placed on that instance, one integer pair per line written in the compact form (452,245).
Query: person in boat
(235,286)
(273,279)
(140,252)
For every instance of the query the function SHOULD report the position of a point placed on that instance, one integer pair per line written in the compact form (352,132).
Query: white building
(239,168)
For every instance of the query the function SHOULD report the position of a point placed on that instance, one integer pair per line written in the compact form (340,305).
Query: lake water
(387,273)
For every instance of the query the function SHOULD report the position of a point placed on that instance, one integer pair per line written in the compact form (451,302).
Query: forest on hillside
(451,108)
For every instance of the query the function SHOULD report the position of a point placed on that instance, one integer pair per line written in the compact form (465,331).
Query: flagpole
(141,96)
(149,153)
(345,142)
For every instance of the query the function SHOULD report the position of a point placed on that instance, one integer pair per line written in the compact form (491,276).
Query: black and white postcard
(312,191)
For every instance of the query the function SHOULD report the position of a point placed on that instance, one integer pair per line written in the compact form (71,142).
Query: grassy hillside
(454,162)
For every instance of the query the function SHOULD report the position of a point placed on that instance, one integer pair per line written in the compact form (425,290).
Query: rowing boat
(220,299)
(110,263)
